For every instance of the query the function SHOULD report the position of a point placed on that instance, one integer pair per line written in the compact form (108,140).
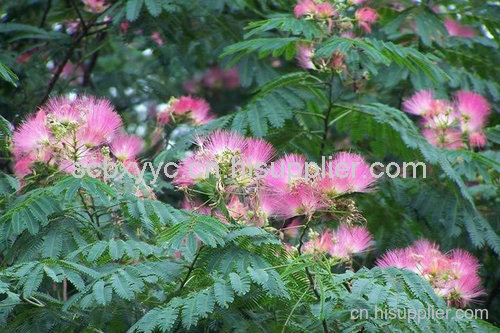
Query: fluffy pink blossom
(450,139)
(191,171)
(421,103)
(349,240)
(32,136)
(477,139)
(320,244)
(101,121)
(454,28)
(311,8)
(366,16)
(126,147)
(197,109)
(221,142)
(359,177)
(454,275)
(257,152)
(285,174)
(22,166)
(302,200)
(305,57)
(474,110)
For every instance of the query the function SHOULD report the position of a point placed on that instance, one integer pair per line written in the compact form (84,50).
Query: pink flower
(191,171)
(292,229)
(305,7)
(302,200)
(22,166)
(101,121)
(191,86)
(359,177)
(305,57)
(124,26)
(156,37)
(366,16)
(126,147)
(198,109)
(454,276)
(231,78)
(454,28)
(222,143)
(285,174)
(214,78)
(95,6)
(32,136)
(320,244)
(349,240)
(421,103)
(321,10)
(474,110)
(477,139)
(237,210)
(399,258)
(450,138)
(257,152)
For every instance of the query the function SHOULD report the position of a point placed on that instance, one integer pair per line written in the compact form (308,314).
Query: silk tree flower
(195,109)
(305,57)
(257,152)
(32,136)
(126,147)
(285,174)
(302,200)
(346,173)
(342,243)
(65,131)
(349,240)
(449,138)
(474,110)
(231,79)
(319,243)
(314,9)
(421,103)
(454,28)
(366,16)
(454,275)
(101,122)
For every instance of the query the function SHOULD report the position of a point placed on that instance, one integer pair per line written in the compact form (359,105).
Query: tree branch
(45,13)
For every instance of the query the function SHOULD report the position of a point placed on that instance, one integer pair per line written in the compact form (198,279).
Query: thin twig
(308,273)
(327,116)
(45,13)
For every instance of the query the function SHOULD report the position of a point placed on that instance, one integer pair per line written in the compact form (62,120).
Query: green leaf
(240,285)
(154,7)
(133,9)
(223,293)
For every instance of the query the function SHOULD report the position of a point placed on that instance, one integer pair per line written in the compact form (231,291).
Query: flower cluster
(255,191)
(454,275)
(340,244)
(454,28)
(446,124)
(214,78)
(335,15)
(336,21)
(64,131)
(196,110)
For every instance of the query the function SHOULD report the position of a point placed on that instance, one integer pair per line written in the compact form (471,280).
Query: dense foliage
(146,83)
